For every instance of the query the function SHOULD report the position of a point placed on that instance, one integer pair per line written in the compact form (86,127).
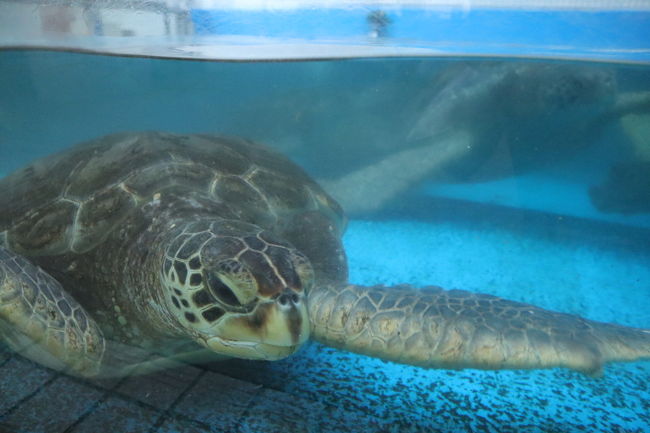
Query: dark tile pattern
(191,399)
(160,389)
(176,425)
(118,415)
(183,399)
(56,406)
(218,400)
(5,354)
(20,378)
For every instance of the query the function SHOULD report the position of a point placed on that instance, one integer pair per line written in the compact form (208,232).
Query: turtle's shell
(71,201)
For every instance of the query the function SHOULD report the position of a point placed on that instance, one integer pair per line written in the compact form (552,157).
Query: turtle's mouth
(248,349)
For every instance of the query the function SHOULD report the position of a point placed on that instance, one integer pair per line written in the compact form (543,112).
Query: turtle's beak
(248,350)
(278,326)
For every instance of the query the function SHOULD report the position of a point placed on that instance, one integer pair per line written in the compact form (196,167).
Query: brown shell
(72,200)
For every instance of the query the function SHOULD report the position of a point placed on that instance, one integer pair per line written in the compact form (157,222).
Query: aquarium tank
(324,216)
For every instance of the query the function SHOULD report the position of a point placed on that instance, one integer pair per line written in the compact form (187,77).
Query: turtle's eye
(230,291)
(221,290)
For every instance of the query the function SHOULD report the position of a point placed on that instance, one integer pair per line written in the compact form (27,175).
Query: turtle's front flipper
(457,329)
(39,320)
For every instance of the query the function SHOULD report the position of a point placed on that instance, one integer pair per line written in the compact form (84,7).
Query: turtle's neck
(141,296)
(150,232)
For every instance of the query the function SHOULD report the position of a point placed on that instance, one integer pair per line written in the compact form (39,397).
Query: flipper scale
(39,320)
(437,328)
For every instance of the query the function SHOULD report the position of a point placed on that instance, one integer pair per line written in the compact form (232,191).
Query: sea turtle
(190,244)
(479,121)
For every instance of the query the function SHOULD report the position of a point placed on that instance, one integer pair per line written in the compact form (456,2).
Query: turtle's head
(238,292)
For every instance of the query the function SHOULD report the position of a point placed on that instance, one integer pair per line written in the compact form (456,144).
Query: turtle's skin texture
(183,245)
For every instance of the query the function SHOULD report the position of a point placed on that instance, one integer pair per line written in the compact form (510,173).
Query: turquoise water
(599,34)
(582,279)
(510,214)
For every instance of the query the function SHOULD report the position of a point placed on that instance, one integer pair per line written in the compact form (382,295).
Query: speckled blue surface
(601,284)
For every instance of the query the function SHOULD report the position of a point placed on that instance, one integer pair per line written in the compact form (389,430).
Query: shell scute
(114,161)
(38,184)
(73,200)
(146,161)
(215,153)
(263,156)
(233,188)
(247,202)
(281,191)
(98,215)
(45,230)
(146,182)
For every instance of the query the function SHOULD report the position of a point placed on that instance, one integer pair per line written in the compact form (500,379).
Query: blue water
(534,237)
(582,279)
(621,35)
(607,30)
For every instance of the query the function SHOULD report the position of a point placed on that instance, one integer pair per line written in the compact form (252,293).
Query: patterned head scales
(238,290)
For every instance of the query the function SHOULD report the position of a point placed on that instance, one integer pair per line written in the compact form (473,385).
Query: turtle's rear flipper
(39,320)
(457,329)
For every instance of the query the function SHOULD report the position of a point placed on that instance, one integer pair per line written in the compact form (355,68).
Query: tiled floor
(183,399)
